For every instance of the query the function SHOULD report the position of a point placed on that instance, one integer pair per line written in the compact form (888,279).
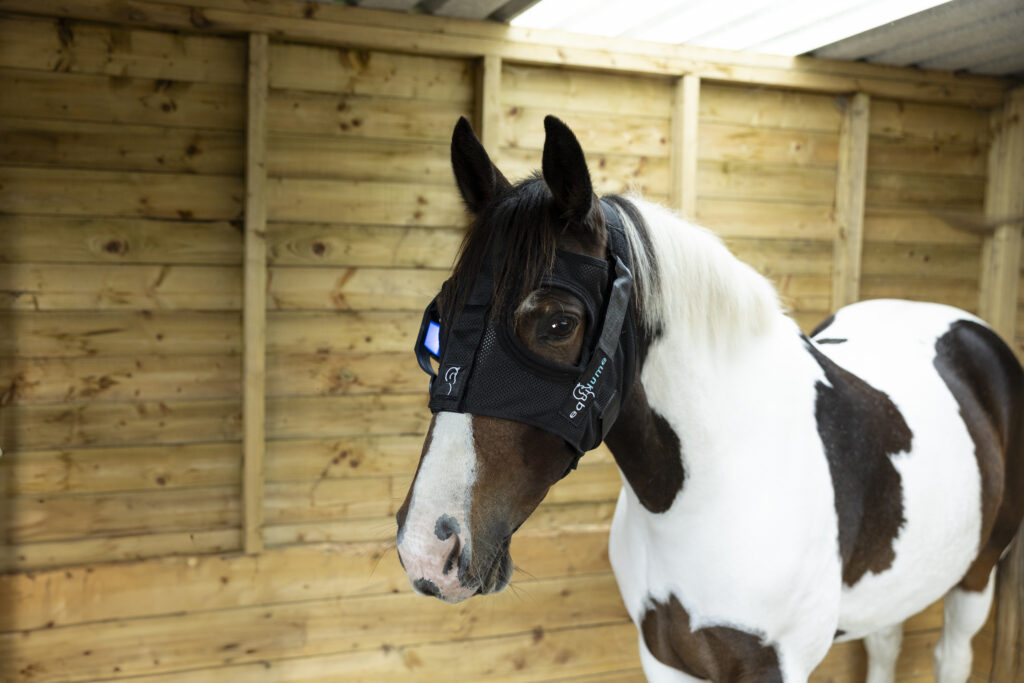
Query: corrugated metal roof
(979,36)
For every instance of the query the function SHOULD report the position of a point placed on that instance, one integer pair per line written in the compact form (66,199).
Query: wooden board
(141,377)
(108,193)
(119,147)
(74,239)
(62,46)
(76,334)
(120,99)
(368,246)
(85,423)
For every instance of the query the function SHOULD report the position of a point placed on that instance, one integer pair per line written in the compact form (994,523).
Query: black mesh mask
(484,369)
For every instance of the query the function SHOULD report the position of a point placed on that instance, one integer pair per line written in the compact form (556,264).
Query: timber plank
(744,142)
(357,624)
(299,459)
(76,47)
(298,288)
(45,287)
(913,260)
(377,203)
(134,468)
(903,224)
(120,99)
(118,378)
(331,244)
(560,89)
(102,592)
(522,128)
(109,193)
(327,416)
(585,653)
(926,156)
(895,188)
(750,218)
(74,239)
(331,374)
(29,557)
(84,423)
(50,518)
(294,111)
(361,332)
(768,108)
(773,258)
(371,73)
(296,155)
(750,180)
(71,334)
(933,123)
(119,147)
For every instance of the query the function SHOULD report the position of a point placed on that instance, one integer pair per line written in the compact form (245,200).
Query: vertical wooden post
(851,179)
(254,306)
(683,154)
(488,104)
(1004,200)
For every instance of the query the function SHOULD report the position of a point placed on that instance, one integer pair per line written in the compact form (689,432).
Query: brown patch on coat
(648,452)
(715,653)
(861,428)
(988,384)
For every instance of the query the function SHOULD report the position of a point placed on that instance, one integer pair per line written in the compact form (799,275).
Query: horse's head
(530,369)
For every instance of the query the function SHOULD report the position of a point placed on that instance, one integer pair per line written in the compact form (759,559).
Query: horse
(781,491)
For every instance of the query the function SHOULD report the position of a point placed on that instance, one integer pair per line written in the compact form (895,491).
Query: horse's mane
(681,270)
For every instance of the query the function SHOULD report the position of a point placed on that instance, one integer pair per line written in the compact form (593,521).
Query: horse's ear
(479,180)
(565,171)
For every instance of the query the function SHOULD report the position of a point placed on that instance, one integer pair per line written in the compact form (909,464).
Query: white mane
(718,298)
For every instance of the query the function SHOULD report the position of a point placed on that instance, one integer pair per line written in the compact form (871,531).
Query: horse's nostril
(427,587)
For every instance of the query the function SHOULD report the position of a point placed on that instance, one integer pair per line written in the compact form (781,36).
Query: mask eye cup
(428,341)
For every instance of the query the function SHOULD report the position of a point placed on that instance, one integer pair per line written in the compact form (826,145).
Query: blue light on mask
(432,341)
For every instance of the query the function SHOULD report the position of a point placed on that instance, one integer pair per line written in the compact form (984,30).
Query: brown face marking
(648,452)
(988,384)
(860,428)
(715,653)
(516,465)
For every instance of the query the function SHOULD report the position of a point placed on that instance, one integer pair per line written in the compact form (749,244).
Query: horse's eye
(562,326)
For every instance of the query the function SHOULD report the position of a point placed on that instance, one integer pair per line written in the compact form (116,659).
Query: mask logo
(451,376)
(582,392)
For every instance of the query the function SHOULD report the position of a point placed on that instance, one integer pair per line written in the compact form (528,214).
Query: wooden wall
(122,162)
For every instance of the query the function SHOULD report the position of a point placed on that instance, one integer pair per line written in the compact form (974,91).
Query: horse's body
(780,492)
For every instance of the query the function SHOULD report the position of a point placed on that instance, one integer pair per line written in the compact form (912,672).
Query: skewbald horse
(780,492)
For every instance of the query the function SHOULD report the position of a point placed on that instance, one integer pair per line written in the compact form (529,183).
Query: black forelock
(521,229)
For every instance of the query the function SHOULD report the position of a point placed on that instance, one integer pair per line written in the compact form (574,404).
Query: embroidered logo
(451,376)
(584,392)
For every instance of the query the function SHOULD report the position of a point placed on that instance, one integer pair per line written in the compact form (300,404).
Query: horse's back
(960,391)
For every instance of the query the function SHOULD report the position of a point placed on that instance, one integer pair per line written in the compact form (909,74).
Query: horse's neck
(722,347)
